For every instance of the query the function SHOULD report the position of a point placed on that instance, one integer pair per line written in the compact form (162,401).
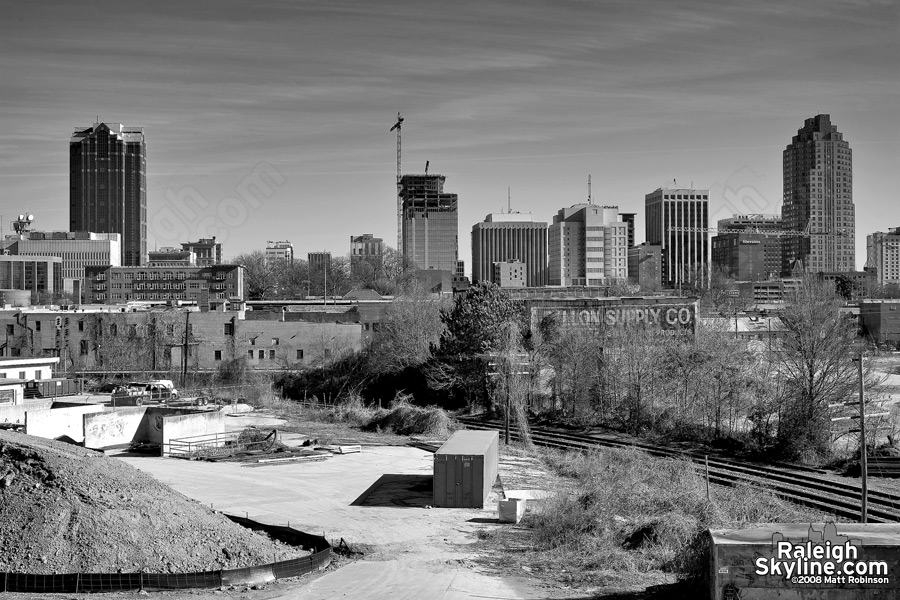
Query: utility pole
(398,125)
(325,270)
(863,461)
(185,348)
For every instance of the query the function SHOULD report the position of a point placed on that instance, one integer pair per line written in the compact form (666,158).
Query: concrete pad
(239,422)
(375,500)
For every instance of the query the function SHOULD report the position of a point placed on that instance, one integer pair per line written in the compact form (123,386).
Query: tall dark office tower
(430,223)
(108,185)
(818,195)
(677,221)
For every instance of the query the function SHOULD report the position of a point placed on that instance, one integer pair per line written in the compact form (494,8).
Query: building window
(113,330)
(217,355)
(250,353)
(83,348)
(229,328)
(262,353)
(10,330)
(274,341)
(170,329)
(37,325)
(252,341)
(271,354)
(299,354)
(366,326)
(21,374)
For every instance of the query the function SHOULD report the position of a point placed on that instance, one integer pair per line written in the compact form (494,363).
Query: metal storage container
(465,469)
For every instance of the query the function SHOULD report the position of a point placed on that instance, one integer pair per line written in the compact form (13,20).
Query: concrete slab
(374,500)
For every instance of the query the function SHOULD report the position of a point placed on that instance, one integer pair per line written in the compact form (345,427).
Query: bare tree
(815,361)
(411,326)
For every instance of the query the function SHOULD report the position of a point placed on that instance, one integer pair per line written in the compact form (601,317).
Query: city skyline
(534,98)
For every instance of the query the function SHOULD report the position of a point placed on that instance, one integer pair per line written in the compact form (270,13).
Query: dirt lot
(64,509)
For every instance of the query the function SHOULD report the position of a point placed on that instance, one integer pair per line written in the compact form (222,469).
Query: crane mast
(398,126)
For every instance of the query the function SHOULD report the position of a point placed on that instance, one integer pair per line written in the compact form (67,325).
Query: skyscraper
(818,195)
(430,223)
(676,220)
(587,245)
(108,185)
(504,237)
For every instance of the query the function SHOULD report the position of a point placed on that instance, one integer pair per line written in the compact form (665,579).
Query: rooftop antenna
(426,167)
(508,201)
(397,126)
(590,201)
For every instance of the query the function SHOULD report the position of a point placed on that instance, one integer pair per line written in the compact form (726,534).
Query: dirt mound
(64,509)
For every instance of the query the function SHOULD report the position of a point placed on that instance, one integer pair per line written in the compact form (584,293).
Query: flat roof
(469,442)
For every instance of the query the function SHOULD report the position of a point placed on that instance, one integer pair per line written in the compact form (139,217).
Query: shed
(802,560)
(465,469)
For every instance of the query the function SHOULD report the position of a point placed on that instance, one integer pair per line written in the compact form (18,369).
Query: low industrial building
(212,284)
(880,320)
(140,339)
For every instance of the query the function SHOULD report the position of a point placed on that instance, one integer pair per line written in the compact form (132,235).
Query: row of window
(261,354)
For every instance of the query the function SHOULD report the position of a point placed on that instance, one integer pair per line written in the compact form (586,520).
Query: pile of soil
(65,509)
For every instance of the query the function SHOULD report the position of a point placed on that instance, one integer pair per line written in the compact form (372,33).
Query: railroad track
(800,485)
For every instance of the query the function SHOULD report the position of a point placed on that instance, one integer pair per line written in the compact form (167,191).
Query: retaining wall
(15,413)
(114,428)
(191,424)
(58,421)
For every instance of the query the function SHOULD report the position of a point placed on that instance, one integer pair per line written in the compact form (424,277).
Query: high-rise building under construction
(430,223)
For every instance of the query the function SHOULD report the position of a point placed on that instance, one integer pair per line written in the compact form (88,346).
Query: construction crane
(759,231)
(397,126)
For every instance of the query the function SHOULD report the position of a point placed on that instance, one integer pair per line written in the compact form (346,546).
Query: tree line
(480,349)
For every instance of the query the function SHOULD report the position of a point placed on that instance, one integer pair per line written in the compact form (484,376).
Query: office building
(644,266)
(318,261)
(214,284)
(743,251)
(279,252)
(171,257)
(677,222)
(818,196)
(629,219)
(587,246)
(39,275)
(430,223)
(506,237)
(108,186)
(207,250)
(366,255)
(76,250)
(883,256)
(510,274)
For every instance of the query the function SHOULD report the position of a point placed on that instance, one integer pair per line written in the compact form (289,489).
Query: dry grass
(401,419)
(625,519)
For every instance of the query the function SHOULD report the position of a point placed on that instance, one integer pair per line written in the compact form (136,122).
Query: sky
(271,120)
